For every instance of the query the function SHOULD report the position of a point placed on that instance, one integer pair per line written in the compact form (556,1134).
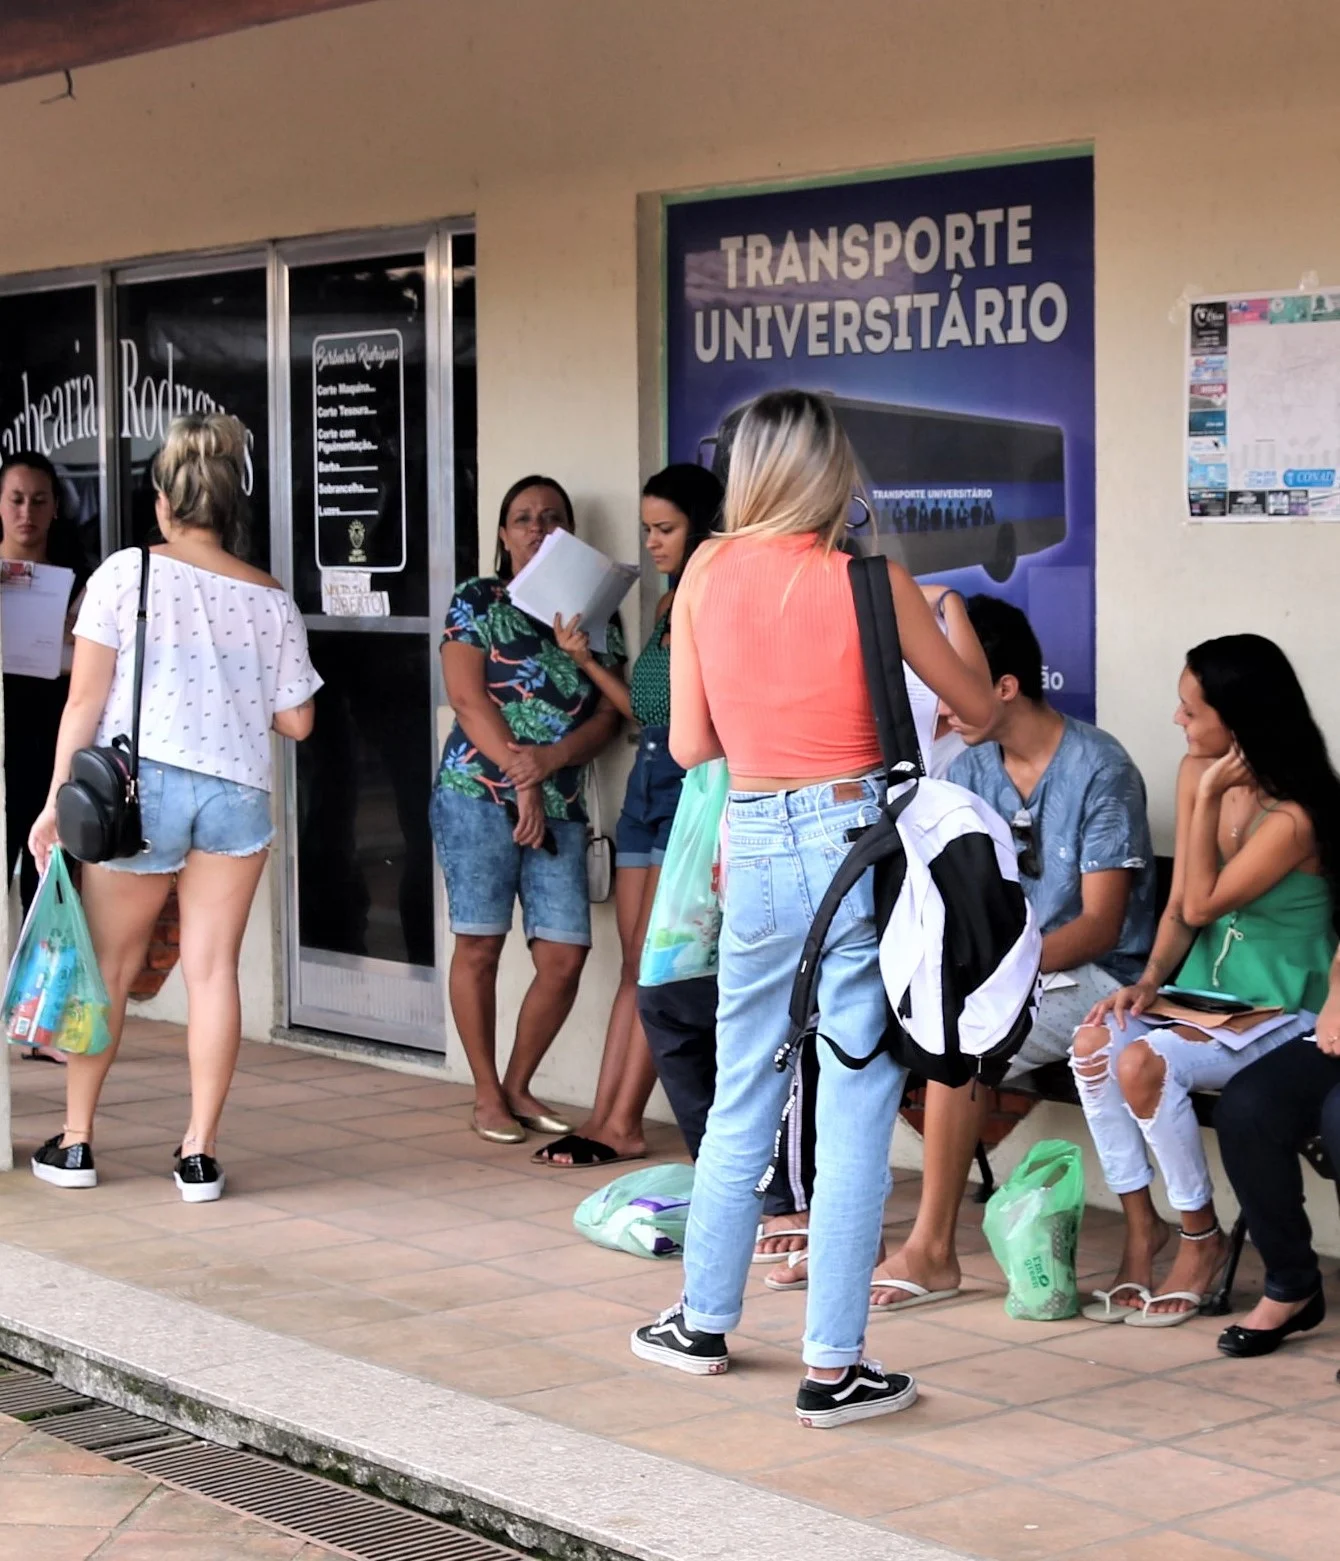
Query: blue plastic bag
(645,1213)
(685,923)
(55,995)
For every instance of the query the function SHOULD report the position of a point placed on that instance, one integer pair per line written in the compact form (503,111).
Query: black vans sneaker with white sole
(863,1390)
(68,1167)
(669,1341)
(199,1177)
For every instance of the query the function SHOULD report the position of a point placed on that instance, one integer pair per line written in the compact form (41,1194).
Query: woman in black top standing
(30,534)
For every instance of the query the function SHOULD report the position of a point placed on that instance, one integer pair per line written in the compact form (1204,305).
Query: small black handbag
(98,808)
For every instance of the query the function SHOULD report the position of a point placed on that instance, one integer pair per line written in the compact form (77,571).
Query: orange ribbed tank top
(780,655)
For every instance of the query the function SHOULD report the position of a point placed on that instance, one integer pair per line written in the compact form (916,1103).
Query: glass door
(371,475)
(191,341)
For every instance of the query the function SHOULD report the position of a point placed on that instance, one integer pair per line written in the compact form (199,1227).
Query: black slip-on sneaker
(669,1341)
(68,1167)
(863,1390)
(199,1177)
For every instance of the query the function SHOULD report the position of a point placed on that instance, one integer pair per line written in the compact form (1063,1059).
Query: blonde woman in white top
(225,664)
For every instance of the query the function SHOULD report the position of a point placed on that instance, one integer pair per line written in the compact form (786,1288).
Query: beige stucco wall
(1218,155)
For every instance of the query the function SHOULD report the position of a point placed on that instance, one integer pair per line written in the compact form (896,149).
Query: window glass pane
(49,403)
(360,458)
(365,852)
(192,344)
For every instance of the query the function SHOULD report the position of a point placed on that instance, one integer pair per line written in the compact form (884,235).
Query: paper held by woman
(568,577)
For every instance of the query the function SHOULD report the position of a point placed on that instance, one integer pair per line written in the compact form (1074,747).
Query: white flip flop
(776,1235)
(1101,1309)
(915,1295)
(793,1261)
(1144,1318)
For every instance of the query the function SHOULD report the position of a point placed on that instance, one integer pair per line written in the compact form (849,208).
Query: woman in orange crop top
(765,670)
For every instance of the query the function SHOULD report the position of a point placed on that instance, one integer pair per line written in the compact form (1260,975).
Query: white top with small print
(222,658)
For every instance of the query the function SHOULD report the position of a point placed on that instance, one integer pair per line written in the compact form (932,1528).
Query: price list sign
(358,391)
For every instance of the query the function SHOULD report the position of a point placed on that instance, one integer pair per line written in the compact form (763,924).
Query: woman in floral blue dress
(508,815)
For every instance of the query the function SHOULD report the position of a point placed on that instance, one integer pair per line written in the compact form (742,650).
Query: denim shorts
(183,811)
(649,803)
(486,871)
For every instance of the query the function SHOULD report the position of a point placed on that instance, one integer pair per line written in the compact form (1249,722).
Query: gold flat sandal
(545,1123)
(499,1135)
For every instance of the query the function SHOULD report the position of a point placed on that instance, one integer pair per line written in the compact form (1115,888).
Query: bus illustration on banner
(949,490)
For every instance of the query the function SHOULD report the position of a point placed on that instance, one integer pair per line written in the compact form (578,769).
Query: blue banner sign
(949,317)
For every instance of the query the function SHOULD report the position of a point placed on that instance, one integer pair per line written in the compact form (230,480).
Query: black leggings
(1264,1117)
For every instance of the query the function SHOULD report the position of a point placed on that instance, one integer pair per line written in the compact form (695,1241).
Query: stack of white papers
(567,578)
(34,599)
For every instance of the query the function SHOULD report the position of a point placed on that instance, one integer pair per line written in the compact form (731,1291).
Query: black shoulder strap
(882,653)
(141,630)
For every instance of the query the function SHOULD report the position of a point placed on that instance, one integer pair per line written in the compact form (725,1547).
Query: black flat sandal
(1243,1343)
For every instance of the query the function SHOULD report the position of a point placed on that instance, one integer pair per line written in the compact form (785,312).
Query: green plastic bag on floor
(55,995)
(1032,1223)
(645,1212)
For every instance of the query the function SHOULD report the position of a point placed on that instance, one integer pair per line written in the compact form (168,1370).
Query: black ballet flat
(1244,1342)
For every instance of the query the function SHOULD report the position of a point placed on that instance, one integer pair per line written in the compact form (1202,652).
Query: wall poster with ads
(948,313)
(1263,407)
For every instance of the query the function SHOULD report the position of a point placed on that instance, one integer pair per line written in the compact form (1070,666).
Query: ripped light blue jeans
(1125,1142)
(781,853)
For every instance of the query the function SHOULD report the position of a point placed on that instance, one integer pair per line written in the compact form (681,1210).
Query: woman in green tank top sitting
(680,506)
(1250,917)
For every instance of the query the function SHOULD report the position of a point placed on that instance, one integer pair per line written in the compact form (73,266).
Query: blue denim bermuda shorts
(183,811)
(649,804)
(486,871)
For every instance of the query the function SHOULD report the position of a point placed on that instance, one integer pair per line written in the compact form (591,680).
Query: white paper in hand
(34,599)
(567,577)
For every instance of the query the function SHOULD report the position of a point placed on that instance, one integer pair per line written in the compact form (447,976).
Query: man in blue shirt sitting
(1075,804)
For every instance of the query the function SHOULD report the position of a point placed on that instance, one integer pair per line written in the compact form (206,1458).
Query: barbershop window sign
(1263,407)
(358,390)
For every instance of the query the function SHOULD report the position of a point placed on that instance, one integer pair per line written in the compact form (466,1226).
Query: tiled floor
(58,1503)
(364,1215)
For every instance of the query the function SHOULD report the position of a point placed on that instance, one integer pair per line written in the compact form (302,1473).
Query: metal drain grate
(116,1434)
(24,1393)
(347,1521)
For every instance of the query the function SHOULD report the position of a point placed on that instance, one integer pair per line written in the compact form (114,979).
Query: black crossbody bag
(98,808)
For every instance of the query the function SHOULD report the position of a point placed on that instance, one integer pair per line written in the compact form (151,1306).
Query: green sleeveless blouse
(649,685)
(1274,953)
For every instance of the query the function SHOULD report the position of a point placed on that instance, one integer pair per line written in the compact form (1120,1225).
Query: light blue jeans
(781,853)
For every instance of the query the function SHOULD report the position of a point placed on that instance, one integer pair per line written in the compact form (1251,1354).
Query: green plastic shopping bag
(55,995)
(645,1212)
(685,923)
(1032,1223)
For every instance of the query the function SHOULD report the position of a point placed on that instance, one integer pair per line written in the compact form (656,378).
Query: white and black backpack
(959,946)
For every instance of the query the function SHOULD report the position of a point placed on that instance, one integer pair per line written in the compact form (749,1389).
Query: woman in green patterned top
(679,508)
(507,811)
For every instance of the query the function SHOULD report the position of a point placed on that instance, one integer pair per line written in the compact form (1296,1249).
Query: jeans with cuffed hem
(1264,1118)
(782,851)
(1125,1142)
(643,830)
(487,872)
